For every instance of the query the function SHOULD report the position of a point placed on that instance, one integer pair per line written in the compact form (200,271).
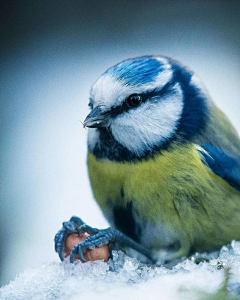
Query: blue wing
(222,164)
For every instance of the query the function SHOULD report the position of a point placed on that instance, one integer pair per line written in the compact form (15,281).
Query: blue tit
(163,161)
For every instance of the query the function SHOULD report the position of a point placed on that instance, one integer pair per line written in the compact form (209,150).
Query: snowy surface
(126,278)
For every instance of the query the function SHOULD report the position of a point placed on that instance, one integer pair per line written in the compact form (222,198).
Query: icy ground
(129,280)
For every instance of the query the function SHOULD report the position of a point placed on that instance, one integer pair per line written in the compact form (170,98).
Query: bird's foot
(74,225)
(97,238)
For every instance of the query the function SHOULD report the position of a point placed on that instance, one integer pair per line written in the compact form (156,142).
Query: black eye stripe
(124,107)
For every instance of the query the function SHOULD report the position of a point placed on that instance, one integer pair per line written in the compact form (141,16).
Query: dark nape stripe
(195,112)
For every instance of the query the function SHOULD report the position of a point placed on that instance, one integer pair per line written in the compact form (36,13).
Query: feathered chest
(158,200)
(153,184)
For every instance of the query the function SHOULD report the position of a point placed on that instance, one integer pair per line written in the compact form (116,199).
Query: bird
(163,163)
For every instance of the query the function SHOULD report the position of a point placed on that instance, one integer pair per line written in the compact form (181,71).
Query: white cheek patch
(151,124)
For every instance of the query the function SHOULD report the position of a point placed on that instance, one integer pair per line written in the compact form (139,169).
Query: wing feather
(222,164)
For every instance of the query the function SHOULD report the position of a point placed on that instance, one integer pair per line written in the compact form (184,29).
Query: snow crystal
(126,278)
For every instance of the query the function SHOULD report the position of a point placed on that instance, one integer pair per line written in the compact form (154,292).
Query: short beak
(97,118)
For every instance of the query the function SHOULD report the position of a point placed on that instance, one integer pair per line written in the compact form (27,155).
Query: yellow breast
(174,188)
(165,177)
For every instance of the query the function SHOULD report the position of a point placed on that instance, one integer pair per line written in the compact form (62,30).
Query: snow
(126,278)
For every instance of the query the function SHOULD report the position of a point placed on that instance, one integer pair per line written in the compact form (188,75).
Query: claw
(74,225)
(60,242)
(102,237)
(78,251)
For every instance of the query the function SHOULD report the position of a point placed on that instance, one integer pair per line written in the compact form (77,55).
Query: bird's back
(220,133)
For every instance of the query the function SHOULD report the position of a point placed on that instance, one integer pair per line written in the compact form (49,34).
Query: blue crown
(137,71)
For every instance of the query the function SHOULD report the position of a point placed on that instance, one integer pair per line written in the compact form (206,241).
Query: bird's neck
(109,148)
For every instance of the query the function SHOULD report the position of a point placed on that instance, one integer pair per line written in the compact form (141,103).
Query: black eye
(90,105)
(134,100)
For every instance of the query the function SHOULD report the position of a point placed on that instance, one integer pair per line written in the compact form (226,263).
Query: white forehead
(109,91)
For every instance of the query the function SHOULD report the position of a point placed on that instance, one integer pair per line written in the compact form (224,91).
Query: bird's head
(141,105)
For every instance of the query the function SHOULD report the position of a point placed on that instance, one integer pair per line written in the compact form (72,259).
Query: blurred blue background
(52,52)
